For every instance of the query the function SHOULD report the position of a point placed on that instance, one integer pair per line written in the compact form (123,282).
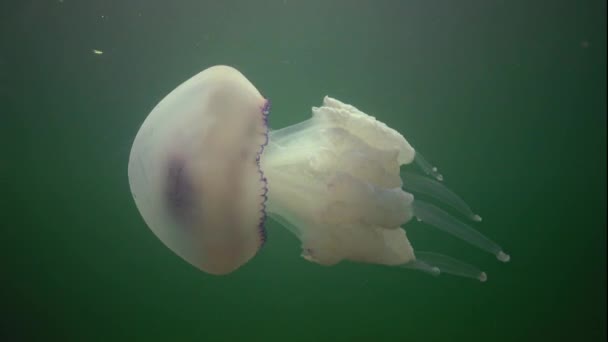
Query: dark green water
(507,97)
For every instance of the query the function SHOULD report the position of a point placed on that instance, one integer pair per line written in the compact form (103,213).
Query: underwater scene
(294,170)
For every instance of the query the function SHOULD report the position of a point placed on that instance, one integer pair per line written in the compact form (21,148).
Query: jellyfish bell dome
(194,170)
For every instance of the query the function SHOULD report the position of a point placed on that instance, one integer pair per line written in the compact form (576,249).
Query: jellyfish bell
(205,171)
(194,174)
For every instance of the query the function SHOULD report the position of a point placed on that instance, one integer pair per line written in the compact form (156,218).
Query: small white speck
(97,52)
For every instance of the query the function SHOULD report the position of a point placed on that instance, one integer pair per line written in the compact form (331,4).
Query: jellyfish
(206,172)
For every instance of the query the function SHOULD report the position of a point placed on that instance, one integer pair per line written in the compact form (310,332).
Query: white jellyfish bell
(205,172)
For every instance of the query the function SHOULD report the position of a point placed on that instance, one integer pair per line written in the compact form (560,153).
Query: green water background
(507,97)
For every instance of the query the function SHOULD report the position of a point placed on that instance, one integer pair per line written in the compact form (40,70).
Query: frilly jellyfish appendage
(204,172)
(335,181)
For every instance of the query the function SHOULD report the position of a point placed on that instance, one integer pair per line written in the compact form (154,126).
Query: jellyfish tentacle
(437,190)
(441,220)
(427,167)
(420,265)
(449,265)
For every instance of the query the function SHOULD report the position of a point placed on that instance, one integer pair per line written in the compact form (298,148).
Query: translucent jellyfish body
(205,172)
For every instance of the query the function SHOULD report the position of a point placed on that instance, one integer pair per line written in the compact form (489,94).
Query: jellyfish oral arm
(438,191)
(438,218)
(334,180)
(435,264)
